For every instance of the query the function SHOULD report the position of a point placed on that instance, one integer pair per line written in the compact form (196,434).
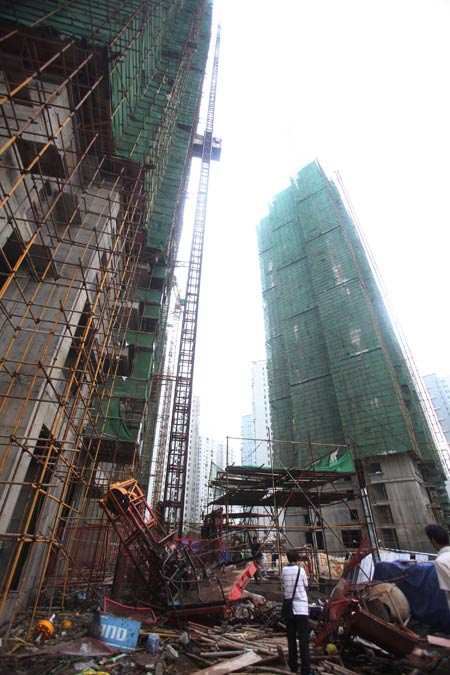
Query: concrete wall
(407,499)
(41,309)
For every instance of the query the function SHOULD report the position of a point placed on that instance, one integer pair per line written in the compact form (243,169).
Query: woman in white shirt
(298,627)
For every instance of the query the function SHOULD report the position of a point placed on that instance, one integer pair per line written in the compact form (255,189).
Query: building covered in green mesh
(100,104)
(337,373)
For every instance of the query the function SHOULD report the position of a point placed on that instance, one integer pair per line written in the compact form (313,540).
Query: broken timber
(231,665)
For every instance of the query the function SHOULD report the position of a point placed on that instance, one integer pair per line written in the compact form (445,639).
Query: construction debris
(244,647)
(357,628)
(247,658)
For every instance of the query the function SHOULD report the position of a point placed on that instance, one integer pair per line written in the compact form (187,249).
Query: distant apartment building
(439,392)
(226,454)
(337,373)
(206,457)
(248,444)
(255,428)
(193,484)
(261,413)
(220,456)
(204,450)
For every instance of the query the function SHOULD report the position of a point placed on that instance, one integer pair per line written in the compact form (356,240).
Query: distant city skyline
(438,387)
(204,451)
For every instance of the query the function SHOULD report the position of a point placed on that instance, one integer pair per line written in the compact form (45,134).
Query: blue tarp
(420,585)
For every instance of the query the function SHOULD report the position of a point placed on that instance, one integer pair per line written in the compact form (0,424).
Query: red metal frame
(140,532)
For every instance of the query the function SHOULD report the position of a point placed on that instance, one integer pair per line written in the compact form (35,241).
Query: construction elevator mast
(174,490)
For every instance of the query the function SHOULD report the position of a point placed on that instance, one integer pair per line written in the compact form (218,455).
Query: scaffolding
(287,507)
(99,103)
(168,380)
(337,371)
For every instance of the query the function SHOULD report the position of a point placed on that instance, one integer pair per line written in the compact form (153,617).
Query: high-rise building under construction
(338,376)
(99,104)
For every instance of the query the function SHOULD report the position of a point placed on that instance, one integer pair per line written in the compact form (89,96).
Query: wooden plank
(331,667)
(231,665)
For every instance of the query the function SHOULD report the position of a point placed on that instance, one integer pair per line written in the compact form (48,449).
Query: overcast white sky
(363,86)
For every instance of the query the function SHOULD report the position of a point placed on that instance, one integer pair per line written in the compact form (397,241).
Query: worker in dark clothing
(256,549)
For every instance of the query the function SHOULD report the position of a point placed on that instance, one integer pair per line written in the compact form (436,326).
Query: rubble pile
(257,646)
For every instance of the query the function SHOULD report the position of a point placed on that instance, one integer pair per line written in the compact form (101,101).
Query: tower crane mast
(175,481)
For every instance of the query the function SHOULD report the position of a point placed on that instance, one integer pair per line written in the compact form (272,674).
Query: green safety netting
(343,464)
(337,373)
(142,365)
(156,62)
(137,338)
(152,311)
(113,426)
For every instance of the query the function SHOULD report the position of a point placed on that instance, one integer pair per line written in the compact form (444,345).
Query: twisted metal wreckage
(189,581)
(172,575)
(191,575)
